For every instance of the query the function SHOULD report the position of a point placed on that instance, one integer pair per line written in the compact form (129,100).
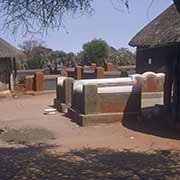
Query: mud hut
(8,55)
(158,50)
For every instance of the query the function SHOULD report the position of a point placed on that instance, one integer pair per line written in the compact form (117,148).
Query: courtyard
(38,146)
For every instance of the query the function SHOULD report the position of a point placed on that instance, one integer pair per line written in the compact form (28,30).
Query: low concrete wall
(50,82)
(40,82)
(109,104)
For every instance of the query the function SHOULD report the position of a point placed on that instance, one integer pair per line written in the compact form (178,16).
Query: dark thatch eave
(162,31)
(7,50)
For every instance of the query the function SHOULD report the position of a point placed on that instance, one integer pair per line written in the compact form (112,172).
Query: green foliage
(38,57)
(95,51)
(63,58)
(40,15)
(122,57)
(58,56)
(18,65)
(36,54)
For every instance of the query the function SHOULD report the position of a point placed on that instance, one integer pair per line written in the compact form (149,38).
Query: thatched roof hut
(162,31)
(157,41)
(158,49)
(7,50)
(8,53)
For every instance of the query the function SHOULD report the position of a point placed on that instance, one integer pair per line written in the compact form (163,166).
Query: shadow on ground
(154,121)
(87,164)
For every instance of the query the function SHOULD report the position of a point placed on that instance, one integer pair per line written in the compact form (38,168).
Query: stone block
(89,99)
(119,99)
(67,89)
(77,102)
(106,104)
(63,93)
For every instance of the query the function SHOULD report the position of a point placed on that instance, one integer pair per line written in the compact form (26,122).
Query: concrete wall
(50,82)
(45,82)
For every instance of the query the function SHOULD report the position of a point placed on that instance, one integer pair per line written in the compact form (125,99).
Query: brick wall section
(29,83)
(108,67)
(78,72)
(38,81)
(99,72)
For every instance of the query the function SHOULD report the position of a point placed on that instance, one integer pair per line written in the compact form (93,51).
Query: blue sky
(116,27)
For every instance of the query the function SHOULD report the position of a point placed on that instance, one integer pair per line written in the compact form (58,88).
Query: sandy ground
(38,146)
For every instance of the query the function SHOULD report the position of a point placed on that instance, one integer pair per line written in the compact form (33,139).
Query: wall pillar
(29,84)
(108,67)
(38,81)
(99,72)
(78,72)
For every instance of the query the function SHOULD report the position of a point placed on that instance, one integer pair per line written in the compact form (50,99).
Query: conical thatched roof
(7,50)
(162,31)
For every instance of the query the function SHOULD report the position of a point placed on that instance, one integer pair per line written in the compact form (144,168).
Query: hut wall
(4,73)
(150,60)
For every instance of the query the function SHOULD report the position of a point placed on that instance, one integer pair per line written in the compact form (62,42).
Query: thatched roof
(162,31)
(7,50)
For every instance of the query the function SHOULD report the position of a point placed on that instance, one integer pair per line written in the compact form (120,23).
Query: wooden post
(168,84)
(12,75)
(176,92)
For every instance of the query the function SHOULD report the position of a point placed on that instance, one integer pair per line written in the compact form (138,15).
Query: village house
(158,42)
(158,50)
(8,55)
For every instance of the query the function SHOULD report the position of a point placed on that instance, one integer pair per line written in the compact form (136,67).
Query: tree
(122,57)
(95,51)
(40,15)
(39,56)
(36,54)
(59,57)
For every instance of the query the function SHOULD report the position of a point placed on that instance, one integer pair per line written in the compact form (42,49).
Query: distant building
(158,42)
(8,54)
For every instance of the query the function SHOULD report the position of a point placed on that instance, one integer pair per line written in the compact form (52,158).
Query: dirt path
(38,146)
(27,113)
